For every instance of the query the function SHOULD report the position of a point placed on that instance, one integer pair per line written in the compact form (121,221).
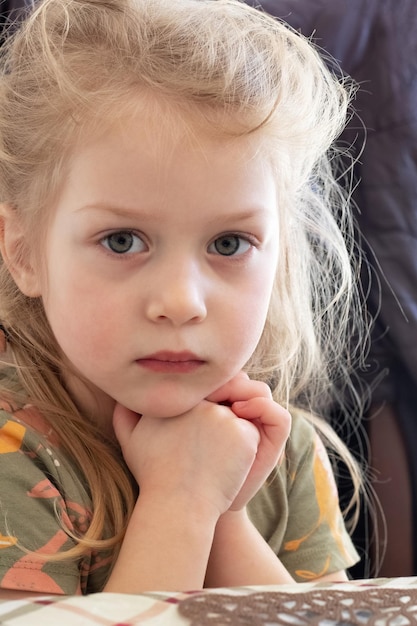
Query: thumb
(124,422)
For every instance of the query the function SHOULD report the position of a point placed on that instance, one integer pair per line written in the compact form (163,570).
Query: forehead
(146,163)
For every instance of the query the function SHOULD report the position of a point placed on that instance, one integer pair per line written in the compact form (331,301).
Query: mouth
(171,362)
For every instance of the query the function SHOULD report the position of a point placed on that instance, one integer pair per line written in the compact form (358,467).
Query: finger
(124,422)
(240,387)
(267,413)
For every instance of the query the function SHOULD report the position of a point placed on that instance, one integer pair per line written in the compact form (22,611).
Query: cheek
(253,319)
(251,313)
(81,320)
(262,293)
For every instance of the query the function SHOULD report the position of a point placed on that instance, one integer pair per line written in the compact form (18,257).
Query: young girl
(172,274)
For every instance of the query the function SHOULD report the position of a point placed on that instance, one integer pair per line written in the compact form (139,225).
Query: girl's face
(159,265)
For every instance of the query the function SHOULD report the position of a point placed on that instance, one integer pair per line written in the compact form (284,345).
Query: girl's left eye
(230,245)
(123,242)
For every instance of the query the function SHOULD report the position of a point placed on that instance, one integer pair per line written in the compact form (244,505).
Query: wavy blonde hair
(66,72)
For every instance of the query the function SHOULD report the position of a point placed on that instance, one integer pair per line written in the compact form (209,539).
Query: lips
(171,362)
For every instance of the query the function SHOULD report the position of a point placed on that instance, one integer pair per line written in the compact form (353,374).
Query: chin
(161,412)
(168,409)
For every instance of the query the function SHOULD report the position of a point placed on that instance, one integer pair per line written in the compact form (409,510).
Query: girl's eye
(123,242)
(229,245)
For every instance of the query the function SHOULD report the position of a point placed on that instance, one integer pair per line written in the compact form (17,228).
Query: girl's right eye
(123,242)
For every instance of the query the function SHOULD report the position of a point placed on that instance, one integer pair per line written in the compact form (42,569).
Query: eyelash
(121,233)
(238,238)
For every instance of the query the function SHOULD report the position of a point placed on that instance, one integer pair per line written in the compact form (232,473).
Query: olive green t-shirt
(296,511)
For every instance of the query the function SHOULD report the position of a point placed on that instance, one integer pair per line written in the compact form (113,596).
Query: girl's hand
(252,400)
(202,457)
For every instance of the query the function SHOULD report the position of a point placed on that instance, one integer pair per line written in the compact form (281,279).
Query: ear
(15,251)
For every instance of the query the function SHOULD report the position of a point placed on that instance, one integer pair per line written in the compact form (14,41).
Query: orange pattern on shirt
(327,502)
(7,542)
(11,437)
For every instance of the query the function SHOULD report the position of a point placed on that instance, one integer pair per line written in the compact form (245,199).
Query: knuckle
(263,389)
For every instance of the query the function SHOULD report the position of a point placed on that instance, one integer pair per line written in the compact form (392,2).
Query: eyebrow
(109,208)
(124,211)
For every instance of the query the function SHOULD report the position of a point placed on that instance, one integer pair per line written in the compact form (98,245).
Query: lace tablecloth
(377,602)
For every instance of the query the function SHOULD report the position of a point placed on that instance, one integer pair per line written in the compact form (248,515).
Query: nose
(177,295)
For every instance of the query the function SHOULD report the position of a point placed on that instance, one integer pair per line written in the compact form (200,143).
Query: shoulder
(301,447)
(303,434)
(297,510)
(29,443)
(304,447)
(44,501)
(30,451)
(19,441)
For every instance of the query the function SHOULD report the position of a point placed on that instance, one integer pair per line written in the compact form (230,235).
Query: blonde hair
(66,72)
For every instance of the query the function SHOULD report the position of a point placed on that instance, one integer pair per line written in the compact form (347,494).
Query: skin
(156,278)
(171,290)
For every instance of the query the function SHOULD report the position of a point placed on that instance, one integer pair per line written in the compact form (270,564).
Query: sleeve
(316,542)
(297,511)
(33,513)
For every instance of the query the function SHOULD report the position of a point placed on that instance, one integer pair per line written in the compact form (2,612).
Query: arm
(297,509)
(166,546)
(240,555)
(188,478)
(249,559)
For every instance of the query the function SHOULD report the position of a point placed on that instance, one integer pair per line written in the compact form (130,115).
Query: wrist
(240,555)
(231,524)
(188,507)
(234,517)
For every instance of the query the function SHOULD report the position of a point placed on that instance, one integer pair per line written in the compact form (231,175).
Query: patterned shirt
(297,510)
(42,495)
